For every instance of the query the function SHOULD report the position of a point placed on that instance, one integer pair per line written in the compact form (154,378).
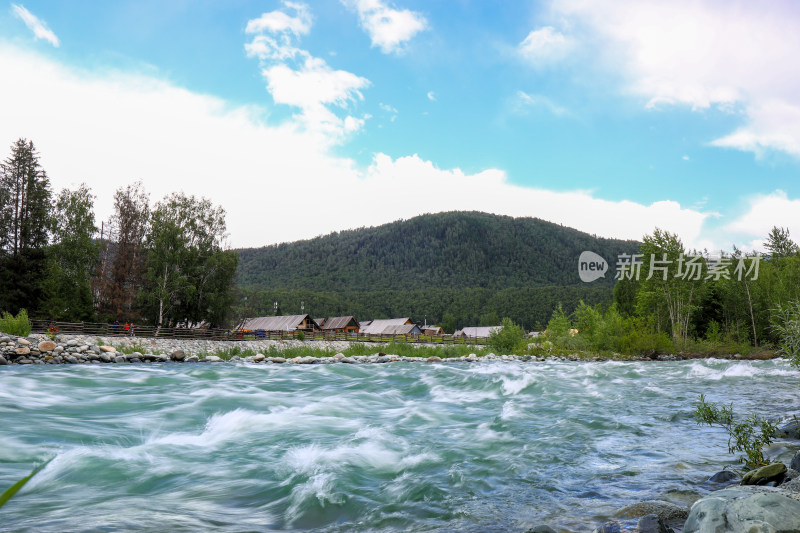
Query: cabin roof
(339,322)
(274,323)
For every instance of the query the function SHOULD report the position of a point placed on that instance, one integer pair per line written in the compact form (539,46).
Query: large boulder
(47,346)
(789,430)
(23,350)
(765,474)
(723,476)
(177,355)
(3,361)
(108,349)
(745,509)
(664,510)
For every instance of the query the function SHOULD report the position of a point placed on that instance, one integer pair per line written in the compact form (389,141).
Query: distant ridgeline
(474,266)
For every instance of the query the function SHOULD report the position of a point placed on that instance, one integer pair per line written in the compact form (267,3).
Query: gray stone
(338,356)
(608,527)
(308,360)
(213,359)
(723,476)
(71,359)
(348,360)
(795,461)
(192,359)
(177,355)
(23,342)
(120,359)
(765,474)
(3,361)
(257,358)
(744,509)
(434,359)
(24,361)
(277,360)
(72,343)
(664,510)
(105,357)
(652,524)
(790,430)
(57,350)
(541,529)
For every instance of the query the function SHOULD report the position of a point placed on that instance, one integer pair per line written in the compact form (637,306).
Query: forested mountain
(445,250)
(456,268)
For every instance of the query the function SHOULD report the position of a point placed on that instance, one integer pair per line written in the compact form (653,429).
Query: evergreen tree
(25,207)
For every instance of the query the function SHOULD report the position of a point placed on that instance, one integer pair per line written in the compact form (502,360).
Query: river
(496,446)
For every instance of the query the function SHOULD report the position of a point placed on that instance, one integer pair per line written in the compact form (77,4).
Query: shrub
(786,323)
(508,340)
(18,325)
(299,335)
(750,435)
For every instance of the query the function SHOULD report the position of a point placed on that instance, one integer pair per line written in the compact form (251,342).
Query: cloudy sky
(613,117)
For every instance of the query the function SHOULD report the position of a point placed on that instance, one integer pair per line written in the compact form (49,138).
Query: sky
(611,116)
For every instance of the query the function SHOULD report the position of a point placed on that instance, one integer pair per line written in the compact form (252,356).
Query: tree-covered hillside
(454,269)
(446,250)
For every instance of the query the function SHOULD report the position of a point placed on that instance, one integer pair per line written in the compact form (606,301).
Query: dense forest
(455,269)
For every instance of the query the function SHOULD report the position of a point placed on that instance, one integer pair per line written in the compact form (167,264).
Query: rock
(308,360)
(652,524)
(72,343)
(105,357)
(723,476)
(23,342)
(192,359)
(177,355)
(765,474)
(541,529)
(47,346)
(212,359)
(23,350)
(3,361)
(789,431)
(58,350)
(608,527)
(277,360)
(71,359)
(434,359)
(120,359)
(790,474)
(349,361)
(108,349)
(664,510)
(25,361)
(743,510)
(795,462)
(257,358)
(338,356)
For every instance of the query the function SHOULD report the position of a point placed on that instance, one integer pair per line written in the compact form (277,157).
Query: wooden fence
(134,330)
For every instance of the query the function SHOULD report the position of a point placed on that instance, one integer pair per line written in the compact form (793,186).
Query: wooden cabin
(341,324)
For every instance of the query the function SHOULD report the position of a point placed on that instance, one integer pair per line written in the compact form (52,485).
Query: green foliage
(749,436)
(13,489)
(16,325)
(72,258)
(299,335)
(188,276)
(510,339)
(786,323)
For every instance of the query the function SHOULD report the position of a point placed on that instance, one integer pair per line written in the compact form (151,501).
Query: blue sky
(304,118)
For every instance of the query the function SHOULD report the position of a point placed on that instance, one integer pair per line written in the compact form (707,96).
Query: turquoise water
(335,448)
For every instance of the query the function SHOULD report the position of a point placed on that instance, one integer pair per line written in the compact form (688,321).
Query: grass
(13,489)
(18,325)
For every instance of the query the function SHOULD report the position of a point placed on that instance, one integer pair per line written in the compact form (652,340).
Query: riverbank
(74,349)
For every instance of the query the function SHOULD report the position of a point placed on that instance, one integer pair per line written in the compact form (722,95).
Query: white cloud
(431,96)
(765,211)
(545,45)
(279,21)
(277,182)
(37,26)
(685,157)
(523,102)
(296,78)
(388,28)
(739,57)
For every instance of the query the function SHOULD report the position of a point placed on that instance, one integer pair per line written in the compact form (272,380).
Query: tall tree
(122,260)
(72,258)
(780,244)
(25,206)
(189,276)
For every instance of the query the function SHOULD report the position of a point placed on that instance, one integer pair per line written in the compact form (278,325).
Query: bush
(18,325)
(786,323)
(508,340)
(299,335)
(749,436)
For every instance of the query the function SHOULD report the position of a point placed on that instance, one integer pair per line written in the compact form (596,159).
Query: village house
(390,326)
(340,324)
(280,323)
(477,332)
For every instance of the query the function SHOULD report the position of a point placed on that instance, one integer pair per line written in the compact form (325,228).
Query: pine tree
(24,222)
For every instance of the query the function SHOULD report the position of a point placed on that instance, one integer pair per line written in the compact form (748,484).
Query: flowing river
(496,446)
